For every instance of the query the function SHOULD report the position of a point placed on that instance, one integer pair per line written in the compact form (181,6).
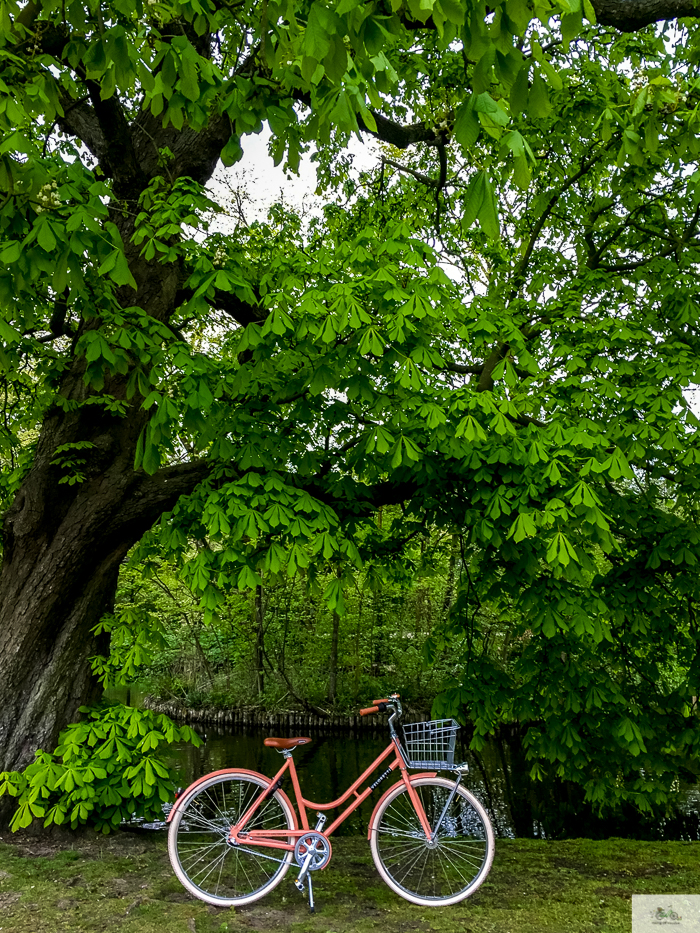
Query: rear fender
(411,778)
(187,793)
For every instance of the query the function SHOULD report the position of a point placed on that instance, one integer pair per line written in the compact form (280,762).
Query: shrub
(105,769)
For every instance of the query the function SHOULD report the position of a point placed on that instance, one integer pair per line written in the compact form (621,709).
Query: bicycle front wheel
(443,871)
(206,863)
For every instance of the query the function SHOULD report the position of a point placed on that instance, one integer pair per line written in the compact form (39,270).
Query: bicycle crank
(312,852)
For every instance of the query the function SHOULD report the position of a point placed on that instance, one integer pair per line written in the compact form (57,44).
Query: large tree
(287,380)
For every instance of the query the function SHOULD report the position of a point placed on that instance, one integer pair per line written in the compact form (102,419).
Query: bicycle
(430,838)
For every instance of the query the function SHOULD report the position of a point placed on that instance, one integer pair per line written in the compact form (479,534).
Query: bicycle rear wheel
(205,862)
(432,874)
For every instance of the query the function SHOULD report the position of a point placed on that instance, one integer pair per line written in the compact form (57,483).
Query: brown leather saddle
(286,744)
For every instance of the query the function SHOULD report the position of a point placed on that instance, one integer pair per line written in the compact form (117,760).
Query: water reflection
(326,767)
(497,776)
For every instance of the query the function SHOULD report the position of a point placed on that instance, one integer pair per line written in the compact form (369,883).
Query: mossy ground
(124,883)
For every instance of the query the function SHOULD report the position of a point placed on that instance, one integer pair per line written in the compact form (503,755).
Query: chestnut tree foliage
(495,331)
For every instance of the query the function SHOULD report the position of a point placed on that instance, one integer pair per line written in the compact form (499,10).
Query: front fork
(430,834)
(434,833)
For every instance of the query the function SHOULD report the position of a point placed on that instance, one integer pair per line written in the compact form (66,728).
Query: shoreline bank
(283,719)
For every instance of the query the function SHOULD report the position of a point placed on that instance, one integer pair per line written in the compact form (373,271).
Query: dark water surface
(326,767)
(498,776)
(517,807)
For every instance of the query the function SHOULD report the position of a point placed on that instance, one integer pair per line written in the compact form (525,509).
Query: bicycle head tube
(394,704)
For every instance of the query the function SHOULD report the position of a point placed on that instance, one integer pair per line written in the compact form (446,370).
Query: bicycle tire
(438,875)
(205,863)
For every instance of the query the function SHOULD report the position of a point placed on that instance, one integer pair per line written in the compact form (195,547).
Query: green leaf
(189,83)
(485,104)
(488,212)
(519,91)
(121,273)
(232,151)
(589,12)
(109,263)
(560,550)
(317,38)
(467,126)
(523,527)
(11,253)
(474,199)
(538,100)
(151,457)
(45,237)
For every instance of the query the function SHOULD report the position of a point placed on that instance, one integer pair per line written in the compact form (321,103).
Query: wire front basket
(430,744)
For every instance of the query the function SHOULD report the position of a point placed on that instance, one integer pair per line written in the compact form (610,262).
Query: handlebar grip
(376,702)
(369,710)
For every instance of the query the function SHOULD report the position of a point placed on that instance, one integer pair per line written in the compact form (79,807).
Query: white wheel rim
(207,866)
(439,876)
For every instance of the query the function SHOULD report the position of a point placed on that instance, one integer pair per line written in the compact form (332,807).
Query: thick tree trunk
(46,642)
(63,544)
(62,549)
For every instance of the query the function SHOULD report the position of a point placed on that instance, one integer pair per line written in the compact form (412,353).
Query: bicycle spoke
(447,867)
(218,880)
(443,855)
(205,870)
(408,868)
(203,857)
(202,852)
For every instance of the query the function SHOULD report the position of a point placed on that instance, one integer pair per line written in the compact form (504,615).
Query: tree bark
(62,549)
(631,15)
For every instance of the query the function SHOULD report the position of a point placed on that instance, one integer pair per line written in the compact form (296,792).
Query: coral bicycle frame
(279,838)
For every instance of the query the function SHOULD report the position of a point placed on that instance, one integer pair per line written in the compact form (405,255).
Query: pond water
(498,776)
(517,807)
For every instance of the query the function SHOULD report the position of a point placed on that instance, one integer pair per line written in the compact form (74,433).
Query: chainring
(318,844)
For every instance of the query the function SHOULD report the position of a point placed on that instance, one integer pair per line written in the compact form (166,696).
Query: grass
(124,883)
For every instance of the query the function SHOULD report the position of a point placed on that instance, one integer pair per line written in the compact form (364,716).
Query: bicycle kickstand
(305,875)
(305,872)
(312,909)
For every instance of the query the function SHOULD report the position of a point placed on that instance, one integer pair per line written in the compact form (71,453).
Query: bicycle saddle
(287,743)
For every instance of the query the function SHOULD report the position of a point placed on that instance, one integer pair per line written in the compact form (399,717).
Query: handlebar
(392,703)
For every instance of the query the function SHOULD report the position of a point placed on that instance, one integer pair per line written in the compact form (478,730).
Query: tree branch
(120,156)
(419,176)
(403,136)
(80,120)
(464,370)
(241,311)
(631,15)
(153,495)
